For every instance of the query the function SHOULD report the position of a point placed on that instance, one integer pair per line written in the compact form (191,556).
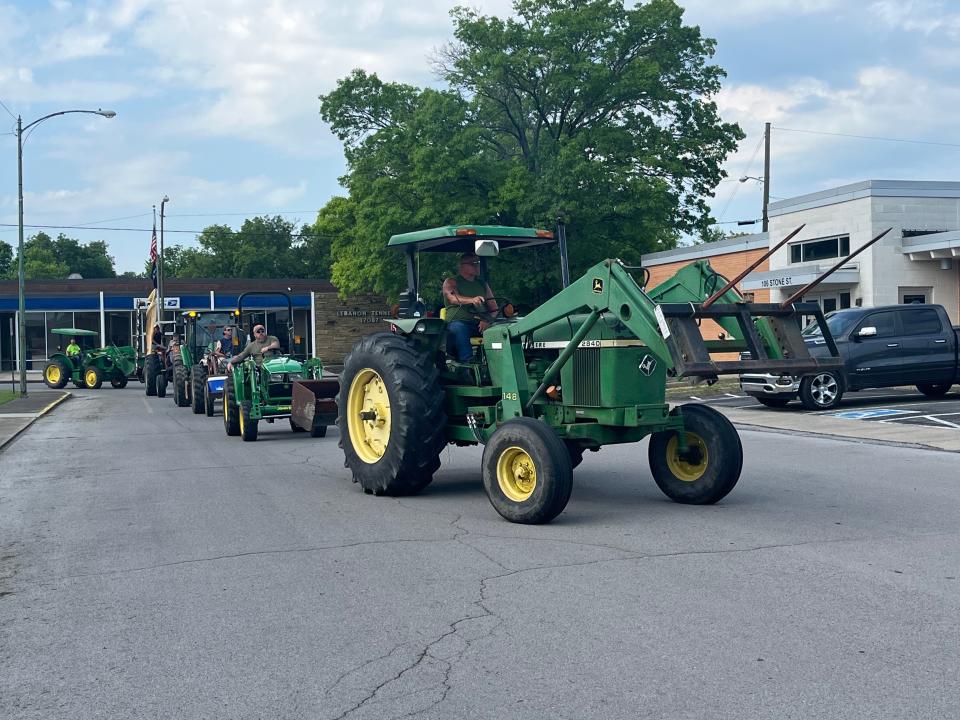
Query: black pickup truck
(881,347)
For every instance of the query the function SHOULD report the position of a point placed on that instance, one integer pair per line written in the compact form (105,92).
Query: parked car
(881,347)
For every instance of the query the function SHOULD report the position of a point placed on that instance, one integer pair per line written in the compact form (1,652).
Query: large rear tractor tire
(231,411)
(151,368)
(198,383)
(92,378)
(711,466)
(821,391)
(390,415)
(527,471)
(248,428)
(181,379)
(934,390)
(55,374)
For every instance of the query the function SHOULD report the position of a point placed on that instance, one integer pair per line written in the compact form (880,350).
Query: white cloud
(753,12)
(924,16)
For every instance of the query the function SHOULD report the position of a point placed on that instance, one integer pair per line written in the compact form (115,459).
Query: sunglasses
(475,262)
(259,331)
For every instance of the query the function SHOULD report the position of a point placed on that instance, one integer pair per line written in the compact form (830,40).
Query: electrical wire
(8,112)
(745,172)
(868,137)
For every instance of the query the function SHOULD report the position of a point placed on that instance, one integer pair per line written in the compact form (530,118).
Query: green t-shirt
(254,349)
(73,349)
(467,289)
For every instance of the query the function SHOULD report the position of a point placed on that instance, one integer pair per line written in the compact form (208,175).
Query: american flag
(153,255)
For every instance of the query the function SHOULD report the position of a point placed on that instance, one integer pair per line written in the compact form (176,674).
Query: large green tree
(584,109)
(46,258)
(263,247)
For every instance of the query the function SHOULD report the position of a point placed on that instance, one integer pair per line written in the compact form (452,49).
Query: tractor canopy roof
(74,331)
(463,238)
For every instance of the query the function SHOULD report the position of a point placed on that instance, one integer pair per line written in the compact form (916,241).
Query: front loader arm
(669,331)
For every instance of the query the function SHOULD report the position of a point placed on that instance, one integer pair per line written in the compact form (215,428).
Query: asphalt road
(151,567)
(900,405)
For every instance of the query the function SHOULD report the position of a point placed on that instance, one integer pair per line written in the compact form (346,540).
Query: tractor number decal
(597,285)
(510,396)
(648,365)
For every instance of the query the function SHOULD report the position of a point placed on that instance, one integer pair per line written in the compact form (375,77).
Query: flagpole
(163,202)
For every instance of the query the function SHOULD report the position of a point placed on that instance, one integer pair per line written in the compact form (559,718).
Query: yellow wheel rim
(368,415)
(90,378)
(241,421)
(682,468)
(53,374)
(516,474)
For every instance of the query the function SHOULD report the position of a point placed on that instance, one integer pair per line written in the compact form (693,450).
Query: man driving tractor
(468,305)
(262,346)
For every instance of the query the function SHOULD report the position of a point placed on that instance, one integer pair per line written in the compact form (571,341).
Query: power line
(262,214)
(868,137)
(8,112)
(168,230)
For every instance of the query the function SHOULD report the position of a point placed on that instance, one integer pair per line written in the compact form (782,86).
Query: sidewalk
(18,414)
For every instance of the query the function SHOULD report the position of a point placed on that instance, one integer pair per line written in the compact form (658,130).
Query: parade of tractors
(587,368)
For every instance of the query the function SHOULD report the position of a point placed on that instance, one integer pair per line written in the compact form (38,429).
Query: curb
(63,398)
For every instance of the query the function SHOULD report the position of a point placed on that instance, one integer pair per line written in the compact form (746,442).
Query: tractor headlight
(420,327)
(276,377)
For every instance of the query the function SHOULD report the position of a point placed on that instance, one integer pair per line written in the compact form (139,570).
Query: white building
(917,261)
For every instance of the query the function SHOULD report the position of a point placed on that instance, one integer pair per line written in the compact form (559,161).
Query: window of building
(822,249)
(844,300)
(921,322)
(36,341)
(118,328)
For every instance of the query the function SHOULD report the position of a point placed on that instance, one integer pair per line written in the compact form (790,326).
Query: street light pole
(160,301)
(21,282)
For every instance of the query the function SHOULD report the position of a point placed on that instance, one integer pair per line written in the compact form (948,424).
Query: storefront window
(825,249)
(36,341)
(118,328)
(58,343)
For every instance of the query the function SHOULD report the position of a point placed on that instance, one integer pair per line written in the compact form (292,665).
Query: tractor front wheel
(198,382)
(181,378)
(161,390)
(151,368)
(390,415)
(248,427)
(711,465)
(92,378)
(208,400)
(231,411)
(119,382)
(55,374)
(527,471)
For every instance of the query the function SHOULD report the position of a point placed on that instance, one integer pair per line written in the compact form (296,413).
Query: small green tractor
(587,368)
(92,366)
(280,386)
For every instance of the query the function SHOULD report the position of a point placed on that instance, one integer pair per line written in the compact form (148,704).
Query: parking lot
(902,406)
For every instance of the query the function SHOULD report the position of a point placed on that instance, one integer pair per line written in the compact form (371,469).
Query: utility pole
(766,173)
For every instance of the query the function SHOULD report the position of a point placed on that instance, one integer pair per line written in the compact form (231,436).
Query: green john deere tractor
(92,366)
(278,386)
(586,369)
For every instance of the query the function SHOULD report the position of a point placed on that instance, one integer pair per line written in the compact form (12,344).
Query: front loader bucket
(313,403)
(768,332)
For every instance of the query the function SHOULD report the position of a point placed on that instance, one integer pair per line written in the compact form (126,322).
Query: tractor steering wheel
(504,313)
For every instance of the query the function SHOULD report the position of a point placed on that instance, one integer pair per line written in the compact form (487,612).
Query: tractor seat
(475,341)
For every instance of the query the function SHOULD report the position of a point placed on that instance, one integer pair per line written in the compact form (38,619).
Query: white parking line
(147,405)
(942,422)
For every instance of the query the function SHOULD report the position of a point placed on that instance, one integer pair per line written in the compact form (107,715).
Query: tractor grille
(586,377)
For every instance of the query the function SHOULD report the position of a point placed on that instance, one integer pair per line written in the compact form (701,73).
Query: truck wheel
(92,378)
(711,466)
(231,412)
(821,391)
(248,427)
(208,400)
(55,375)
(119,382)
(151,368)
(181,377)
(936,390)
(774,402)
(390,415)
(198,383)
(527,472)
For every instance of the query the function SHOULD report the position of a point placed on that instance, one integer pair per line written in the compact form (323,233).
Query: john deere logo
(597,285)
(648,365)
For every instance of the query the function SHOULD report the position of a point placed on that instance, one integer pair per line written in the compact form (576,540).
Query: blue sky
(217,101)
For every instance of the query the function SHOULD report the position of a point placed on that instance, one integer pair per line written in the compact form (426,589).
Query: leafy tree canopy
(576,108)
(46,258)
